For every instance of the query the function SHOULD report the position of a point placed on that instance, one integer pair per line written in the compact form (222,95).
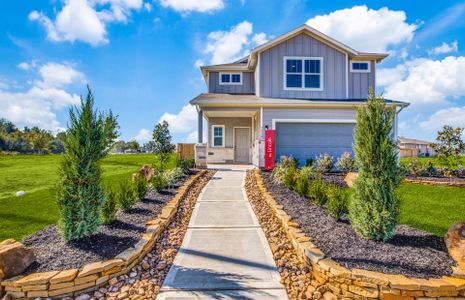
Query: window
(230,78)
(218,135)
(360,66)
(303,73)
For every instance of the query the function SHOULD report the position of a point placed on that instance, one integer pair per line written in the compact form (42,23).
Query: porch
(232,136)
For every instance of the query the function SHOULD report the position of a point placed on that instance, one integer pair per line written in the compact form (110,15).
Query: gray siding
(334,69)
(229,124)
(360,83)
(247,86)
(306,113)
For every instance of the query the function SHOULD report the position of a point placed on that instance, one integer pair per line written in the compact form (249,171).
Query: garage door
(307,140)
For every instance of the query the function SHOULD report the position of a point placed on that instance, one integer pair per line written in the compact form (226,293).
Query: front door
(242,145)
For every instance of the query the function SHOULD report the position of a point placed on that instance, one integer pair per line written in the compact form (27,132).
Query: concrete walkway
(225,254)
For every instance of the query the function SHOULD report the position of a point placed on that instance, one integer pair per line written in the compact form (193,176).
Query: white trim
(257,77)
(303,88)
(230,74)
(360,71)
(234,141)
(323,121)
(213,136)
(347,76)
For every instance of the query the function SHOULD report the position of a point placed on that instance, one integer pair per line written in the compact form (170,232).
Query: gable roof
(249,62)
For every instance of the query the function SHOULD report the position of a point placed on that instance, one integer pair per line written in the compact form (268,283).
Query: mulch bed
(53,253)
(410,252)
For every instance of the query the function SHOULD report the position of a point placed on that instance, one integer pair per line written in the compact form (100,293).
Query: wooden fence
(186,151)
(408,152)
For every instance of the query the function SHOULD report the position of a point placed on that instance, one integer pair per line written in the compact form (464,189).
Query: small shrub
(141,187)
(109,208)
(338,201)
(147,172)
(290,176)
(324,163)
(126,196)
(159,182)
(414,167)
(428,169)
(185,164)
(317,191)
(172,176)
(280,170)
(346,163)
(303,181)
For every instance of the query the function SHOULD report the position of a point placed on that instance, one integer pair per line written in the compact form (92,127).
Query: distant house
(303,84)
(413,148)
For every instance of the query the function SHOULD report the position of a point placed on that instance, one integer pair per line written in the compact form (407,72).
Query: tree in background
(133,145)
(162,142)
(374,208)
(449,145)
(80,196)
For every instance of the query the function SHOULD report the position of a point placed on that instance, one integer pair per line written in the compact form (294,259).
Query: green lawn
(430,208)
(424,160)
(37,175)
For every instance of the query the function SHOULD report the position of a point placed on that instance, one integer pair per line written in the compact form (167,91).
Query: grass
(430,208)
(434,160)
(37,175)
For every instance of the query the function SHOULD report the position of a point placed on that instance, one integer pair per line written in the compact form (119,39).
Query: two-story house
(303,84)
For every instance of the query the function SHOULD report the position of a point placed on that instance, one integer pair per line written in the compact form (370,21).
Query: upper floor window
(218,135)
(303,73)
(360,66)
(230,78)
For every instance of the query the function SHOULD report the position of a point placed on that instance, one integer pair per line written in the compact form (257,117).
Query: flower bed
(352,280)
(73,281)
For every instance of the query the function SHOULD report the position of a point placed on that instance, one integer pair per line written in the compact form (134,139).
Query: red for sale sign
(270,155)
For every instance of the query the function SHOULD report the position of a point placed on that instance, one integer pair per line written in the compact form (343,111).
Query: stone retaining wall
(93,275)
(358,283)
(432,182)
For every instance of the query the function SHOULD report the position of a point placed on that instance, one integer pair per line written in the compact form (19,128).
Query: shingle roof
(404,140)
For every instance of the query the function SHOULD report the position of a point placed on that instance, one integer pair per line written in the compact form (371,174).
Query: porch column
(200,126)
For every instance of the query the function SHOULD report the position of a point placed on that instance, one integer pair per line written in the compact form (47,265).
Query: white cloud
(425,80)
(143,135)
(192,137)
(453,116)
(445,48)
(85,20)
(228,46)
(36,106)
(148,6)
(199,63)
(366,29)
(259,38)
(24,66)
(57,75)
(186,6)
(182,122)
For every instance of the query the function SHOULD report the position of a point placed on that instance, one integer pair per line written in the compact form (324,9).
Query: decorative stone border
(359,283)
(432,182)
(72,282)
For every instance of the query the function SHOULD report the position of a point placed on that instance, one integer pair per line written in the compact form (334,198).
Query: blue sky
(141,57)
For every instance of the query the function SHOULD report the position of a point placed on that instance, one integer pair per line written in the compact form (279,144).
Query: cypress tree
(374,208)
(80,195)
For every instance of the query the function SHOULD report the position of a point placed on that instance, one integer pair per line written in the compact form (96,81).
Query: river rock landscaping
(145,279)
(410,252)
